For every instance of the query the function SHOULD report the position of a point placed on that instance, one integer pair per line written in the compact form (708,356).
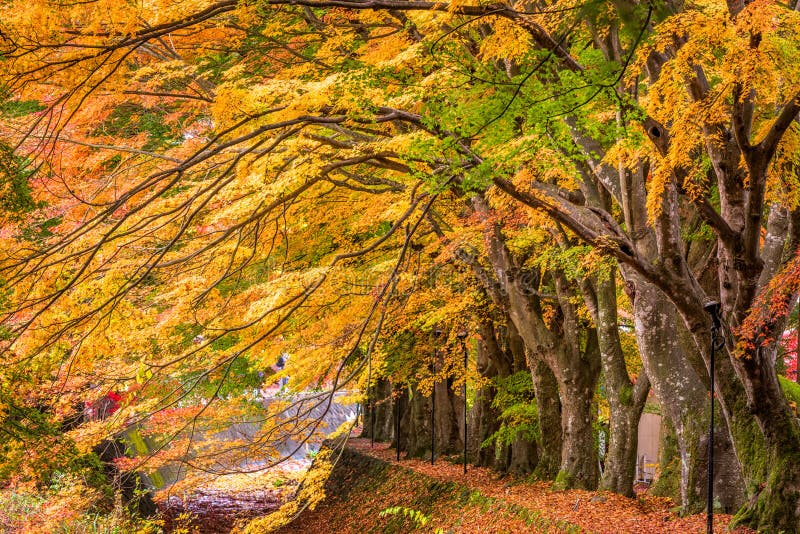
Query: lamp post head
(437,332)
(713,309)
(462,335)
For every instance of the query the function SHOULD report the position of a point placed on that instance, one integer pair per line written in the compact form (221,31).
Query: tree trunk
(485,422)
(683,396)
(576,373)
(549,438)
(677,387)
(668,480)
(382,410)
(449,437)
(569,350)
(128,483)
(485,418)
(620,464)
(729,490)
(416,424)
(766,439)
(626,399)
(579,468)
(400,404)
(774,504)
(524,456)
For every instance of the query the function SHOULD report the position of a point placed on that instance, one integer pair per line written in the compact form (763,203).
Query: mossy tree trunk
(572,354)
(626,397)
(549,438)
(485,417)
(567,345)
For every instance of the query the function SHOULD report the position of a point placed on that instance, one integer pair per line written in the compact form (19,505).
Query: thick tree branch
(742,118)
(769,144)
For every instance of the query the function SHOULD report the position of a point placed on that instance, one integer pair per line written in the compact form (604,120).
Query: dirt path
(601,512)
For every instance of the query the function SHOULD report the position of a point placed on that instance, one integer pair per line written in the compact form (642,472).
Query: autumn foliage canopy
(191,188)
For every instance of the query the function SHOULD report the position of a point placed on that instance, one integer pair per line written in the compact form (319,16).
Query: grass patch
(131,119)
(20,108)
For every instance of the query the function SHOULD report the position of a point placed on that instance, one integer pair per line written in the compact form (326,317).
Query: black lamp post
(717,342)
(437,333)
(397,422)
(371,420)
(462,336)
(370,404)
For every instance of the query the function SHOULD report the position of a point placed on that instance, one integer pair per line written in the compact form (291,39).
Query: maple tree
(193,188)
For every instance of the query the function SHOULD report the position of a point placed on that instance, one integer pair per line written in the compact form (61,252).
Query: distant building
(647,449)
